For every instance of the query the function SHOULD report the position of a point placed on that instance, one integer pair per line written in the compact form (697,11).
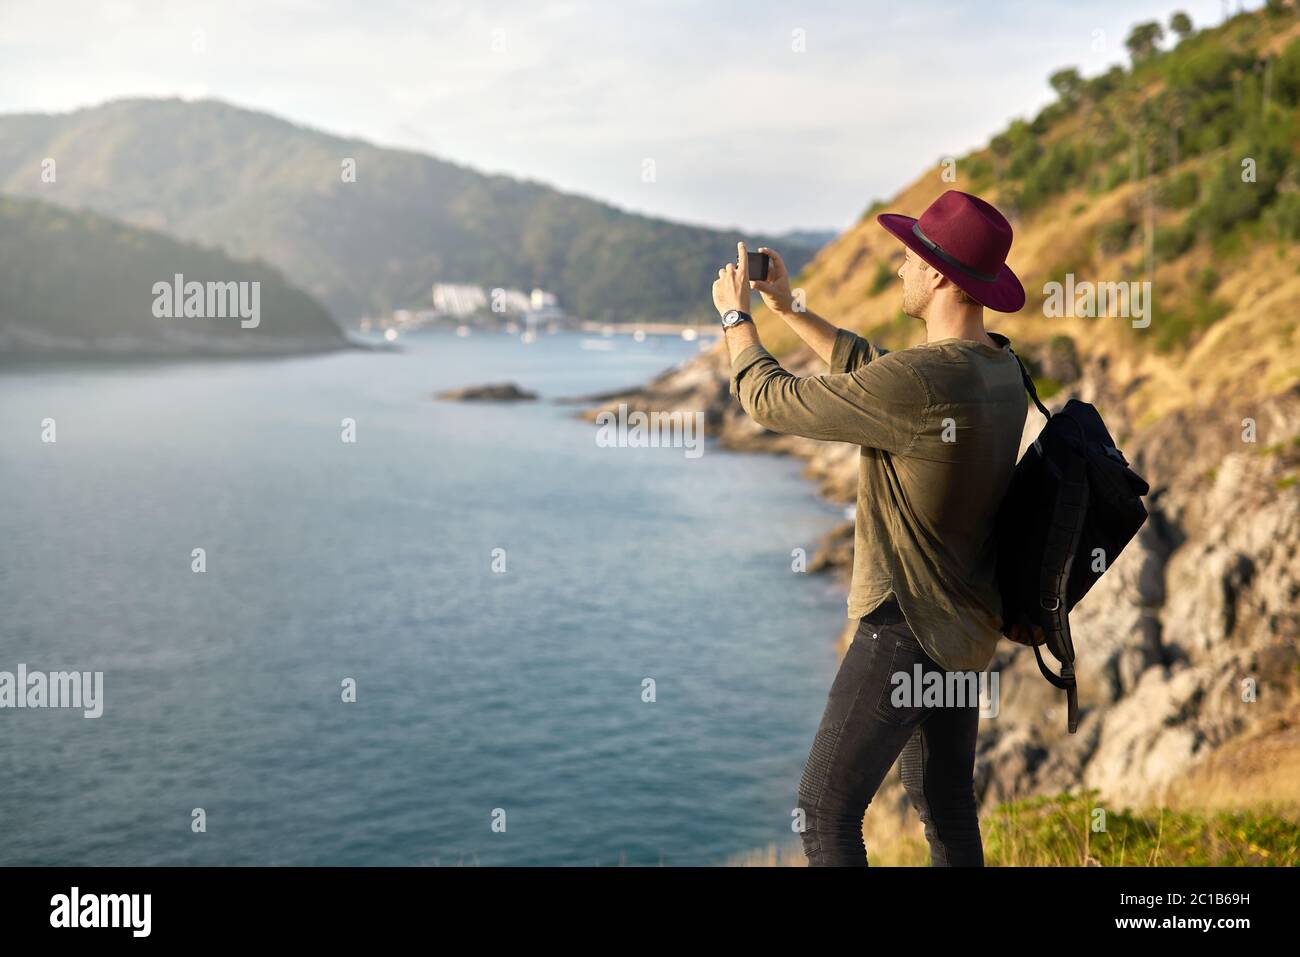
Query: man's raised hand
(731,288)
(775,289)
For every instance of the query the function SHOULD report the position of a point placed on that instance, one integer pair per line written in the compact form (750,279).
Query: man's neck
(956,321)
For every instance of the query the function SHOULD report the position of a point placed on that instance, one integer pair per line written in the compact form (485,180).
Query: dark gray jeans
(862,733)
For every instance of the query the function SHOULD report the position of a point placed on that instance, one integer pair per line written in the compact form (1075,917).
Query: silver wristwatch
(734,317)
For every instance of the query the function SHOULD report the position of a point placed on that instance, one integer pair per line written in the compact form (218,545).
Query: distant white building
(459,301)
(510,301)
(462,301)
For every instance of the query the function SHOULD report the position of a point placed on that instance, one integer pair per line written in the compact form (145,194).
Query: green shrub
(1116,174)
(1113,237)
(978,170)
(1053,173)
(1176,327)
(1019,147)
(1016,137)
(1286,75)
(1047,117)
(1179,191)
(1206,69)
(1172,241)
(1105,83)
(1284,217)
(1227,200)
(885,274)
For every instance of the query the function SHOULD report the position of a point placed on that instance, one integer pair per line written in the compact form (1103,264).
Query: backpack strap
(1029,385)
(1067,683)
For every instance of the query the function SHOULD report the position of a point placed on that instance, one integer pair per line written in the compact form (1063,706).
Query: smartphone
(758,265)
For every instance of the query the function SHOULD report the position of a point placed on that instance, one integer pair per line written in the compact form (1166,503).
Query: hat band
(956,263)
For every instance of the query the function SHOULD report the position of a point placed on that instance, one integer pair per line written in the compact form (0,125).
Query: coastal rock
(834,551)
(1057,359)
(493,392)
(1196,614)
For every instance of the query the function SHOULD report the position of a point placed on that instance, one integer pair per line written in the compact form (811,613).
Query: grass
(1287,452)
(1059,832)
(1281,448)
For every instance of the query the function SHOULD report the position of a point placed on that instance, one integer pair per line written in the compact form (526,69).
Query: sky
(757,115)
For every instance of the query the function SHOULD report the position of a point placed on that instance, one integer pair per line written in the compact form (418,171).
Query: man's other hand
(731,288)
(775,289)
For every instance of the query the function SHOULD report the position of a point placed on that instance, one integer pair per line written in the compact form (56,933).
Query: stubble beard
(912,307)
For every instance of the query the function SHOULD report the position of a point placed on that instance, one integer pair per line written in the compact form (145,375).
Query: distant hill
(261,187)
(78,282)
(808,238)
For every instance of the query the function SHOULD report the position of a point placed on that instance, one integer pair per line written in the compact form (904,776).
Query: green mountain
(812,238)
(260,187)
(76,281)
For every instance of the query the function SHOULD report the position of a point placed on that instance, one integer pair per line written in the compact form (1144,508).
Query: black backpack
(1072,506)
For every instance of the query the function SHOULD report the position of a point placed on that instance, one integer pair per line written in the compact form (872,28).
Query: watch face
(730,318)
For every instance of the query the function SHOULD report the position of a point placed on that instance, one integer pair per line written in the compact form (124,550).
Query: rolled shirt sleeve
(851,352)
(883,403)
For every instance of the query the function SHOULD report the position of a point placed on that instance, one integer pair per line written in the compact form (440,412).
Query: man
(939,425)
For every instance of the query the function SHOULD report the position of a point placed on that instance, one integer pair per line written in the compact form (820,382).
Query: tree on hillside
(1181,24)
(1067,83)
(1144,39)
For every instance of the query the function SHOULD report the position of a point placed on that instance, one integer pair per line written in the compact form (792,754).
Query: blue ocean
(560,653)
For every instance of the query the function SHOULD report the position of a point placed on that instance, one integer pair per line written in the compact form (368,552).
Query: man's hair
(963,296)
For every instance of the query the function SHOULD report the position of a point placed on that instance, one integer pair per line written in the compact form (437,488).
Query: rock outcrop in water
(492,392)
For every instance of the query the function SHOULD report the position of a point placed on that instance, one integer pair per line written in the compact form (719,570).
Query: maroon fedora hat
(967,240)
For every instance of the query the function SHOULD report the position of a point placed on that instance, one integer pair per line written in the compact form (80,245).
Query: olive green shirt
(940,427)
